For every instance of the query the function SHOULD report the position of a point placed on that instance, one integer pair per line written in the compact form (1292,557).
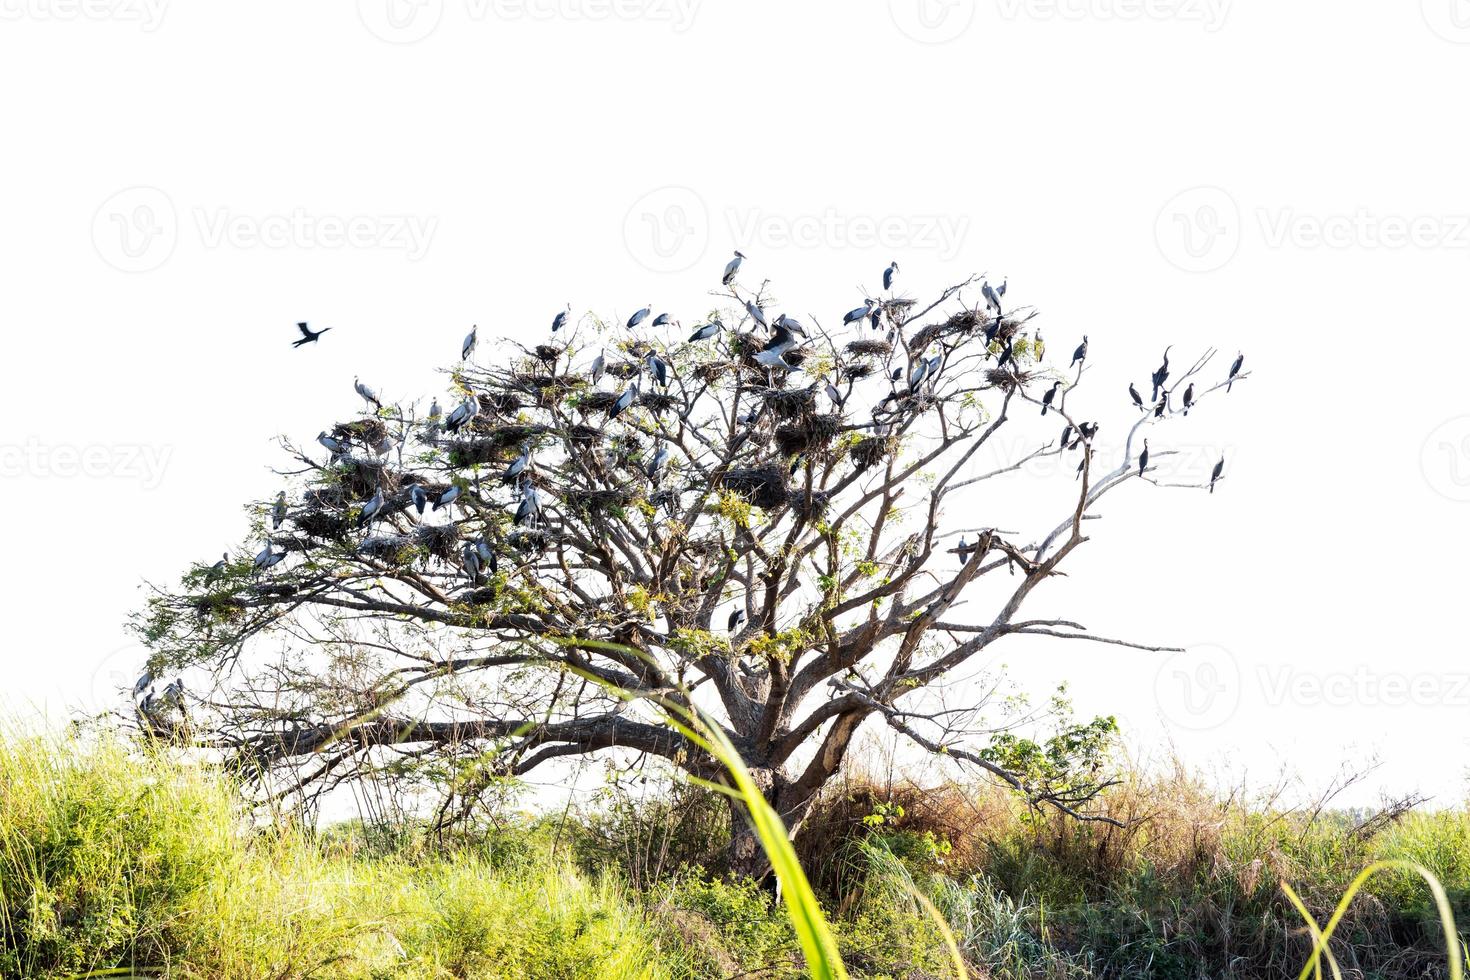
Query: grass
(113,859)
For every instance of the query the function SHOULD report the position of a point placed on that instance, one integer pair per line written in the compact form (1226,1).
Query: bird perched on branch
(1162,374)
(1234,370)
(1049,397)
(1143,458)
(368,395)
(560,320)
(470,340)
(731,268)
(640,316)
(1215,473)
(1080,354)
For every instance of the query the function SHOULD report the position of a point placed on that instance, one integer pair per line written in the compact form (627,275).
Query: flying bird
(732,267)
(889,274)
(308,336)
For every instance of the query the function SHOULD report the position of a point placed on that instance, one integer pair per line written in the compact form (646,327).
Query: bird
(1066,435)
(732,267)
(889,274)
(486,553)
(624,400)
(858,314)
(1188,398)
(1047,398)
(1080,354)
(560,320)
(751,416)
(917,371)
(1143,458)
(468,347)
(774,358)
(834,394)
(332,446)
(368,395)
(308,336)
(935,363)
(789,324)
(143,683)
(278,512)
(897,373)
(736,620)
(875,318)
(660,458)
(640,316)
(658,368)
(418,497)
(1133,393)
(1162,406)
(434,410)
(964,550)
(756,313)
(463,413)
(446,498)
(530,507)
(663,320)
(517,466)
(992,298)
(217,569)
(371,508)
(268,557)
(1162,374)
(1215,473)
(599,365)
(471,560)
(1007,355)
(707,331)
(1234,370)
(1088,430)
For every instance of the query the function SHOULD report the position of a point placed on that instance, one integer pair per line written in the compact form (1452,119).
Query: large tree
(596,557)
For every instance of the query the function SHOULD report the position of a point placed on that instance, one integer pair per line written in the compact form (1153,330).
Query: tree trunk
(745,855)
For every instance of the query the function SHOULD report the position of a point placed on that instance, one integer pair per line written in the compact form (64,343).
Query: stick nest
(762,486)
(870,348)
(811,432)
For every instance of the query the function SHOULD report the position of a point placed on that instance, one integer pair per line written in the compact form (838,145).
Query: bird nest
(1005,379)
(530,539)
(811,432)
(439,540)
(711,372)
(858,371)
(596,401)
(582,434)
(622,370)
(809,507)
(361,478)
(899,307)
(364,432)
(869,452)
(500,402)
(321,524)
(964,321)
(656,401)
(489,447)
(763,486)
(870,348)
(595,501)
(548,353)
(392,548)
(482,596)
(923,338)
(789,403)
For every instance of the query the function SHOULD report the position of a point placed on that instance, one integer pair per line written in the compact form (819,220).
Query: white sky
(516,156)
